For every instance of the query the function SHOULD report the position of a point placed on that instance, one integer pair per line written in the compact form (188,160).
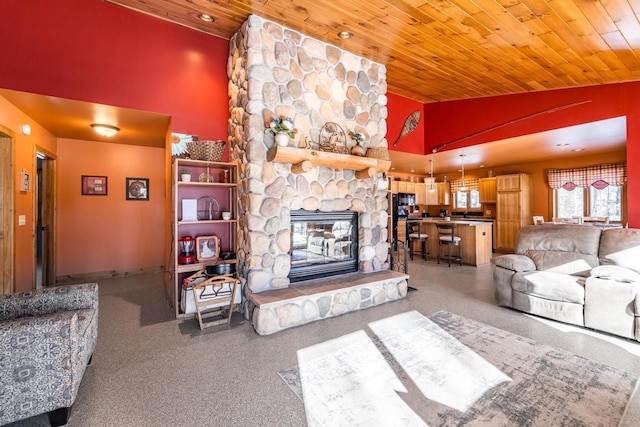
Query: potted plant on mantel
(185,176)
(358,138)
(283,129)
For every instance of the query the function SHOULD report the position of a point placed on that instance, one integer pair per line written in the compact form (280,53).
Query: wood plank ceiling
(441,50)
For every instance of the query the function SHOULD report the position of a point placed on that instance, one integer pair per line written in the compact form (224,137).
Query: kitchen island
(476,235)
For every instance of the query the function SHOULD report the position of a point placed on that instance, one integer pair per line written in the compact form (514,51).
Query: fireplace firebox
(323,244)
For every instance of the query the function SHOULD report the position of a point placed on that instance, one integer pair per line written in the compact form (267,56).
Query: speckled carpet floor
(403,369)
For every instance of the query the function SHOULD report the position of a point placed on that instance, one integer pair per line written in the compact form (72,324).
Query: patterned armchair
(47,338)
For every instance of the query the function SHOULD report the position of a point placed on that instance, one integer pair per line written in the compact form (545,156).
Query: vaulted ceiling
(439,50)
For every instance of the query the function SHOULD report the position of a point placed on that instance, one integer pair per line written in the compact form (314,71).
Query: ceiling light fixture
(578,149)
(432,186)
(463,187)
(205,17)
(345,35)
(105,130)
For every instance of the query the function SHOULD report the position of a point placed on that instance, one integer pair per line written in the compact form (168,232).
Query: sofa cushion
(616,272)
(514,262)
(561,248)
(621,246)
(550,285)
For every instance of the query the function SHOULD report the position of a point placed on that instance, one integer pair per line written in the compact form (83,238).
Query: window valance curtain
(470,183)
(600,176)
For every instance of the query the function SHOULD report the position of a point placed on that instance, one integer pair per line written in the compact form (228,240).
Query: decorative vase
(282,139)
(357,150)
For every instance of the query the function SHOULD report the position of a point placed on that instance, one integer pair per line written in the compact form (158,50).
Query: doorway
(45,197)
(6,212)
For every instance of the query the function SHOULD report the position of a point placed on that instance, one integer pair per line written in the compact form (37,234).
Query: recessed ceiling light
(578,149)
(204,17)
(345,35)
(481,166)
(105,130)
(564,144)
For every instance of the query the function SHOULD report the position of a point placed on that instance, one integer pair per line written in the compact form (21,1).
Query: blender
(186,246)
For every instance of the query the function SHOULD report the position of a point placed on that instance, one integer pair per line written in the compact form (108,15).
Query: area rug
(446,370)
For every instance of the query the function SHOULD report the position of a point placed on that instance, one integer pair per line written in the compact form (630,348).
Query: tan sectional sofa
(578,274)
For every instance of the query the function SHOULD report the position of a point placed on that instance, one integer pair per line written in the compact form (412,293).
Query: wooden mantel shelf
(303,160)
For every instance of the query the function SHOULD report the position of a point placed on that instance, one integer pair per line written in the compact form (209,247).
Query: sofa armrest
(49,300)
(38,364)
(612,306)
(514,262)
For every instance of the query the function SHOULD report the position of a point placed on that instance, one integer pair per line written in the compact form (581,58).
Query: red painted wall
(449,121)
(91,50)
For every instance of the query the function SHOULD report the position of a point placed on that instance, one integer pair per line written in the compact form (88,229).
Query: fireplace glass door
(323,244)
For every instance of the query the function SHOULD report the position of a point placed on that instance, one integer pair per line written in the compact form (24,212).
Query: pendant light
(432,186)
(463,187)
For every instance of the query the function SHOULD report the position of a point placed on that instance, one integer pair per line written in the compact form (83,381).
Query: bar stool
(414,235)
(446,236)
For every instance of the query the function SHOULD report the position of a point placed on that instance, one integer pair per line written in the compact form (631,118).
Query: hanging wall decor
(93,185)
(410,124)
(137,188)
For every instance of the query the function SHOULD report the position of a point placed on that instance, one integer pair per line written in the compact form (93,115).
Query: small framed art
(137,188)
(93,185)
(537,220)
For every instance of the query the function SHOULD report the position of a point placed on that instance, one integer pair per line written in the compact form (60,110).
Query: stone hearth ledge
(305,302)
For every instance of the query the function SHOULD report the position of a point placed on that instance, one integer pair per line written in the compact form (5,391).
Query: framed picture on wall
(94,185)
(137,188)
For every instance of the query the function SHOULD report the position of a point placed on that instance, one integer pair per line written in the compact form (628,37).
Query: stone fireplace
(275,71)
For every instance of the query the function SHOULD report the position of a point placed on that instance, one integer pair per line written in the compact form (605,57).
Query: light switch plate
(22,219)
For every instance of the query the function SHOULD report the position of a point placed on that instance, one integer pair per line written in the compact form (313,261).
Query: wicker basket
(210,151)
(378,153)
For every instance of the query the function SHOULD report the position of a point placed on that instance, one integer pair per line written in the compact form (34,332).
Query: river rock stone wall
(275,71)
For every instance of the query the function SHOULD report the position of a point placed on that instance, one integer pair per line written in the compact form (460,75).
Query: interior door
(6,214)
(46,197)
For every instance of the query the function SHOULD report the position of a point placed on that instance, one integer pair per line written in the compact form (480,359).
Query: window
(466,195)
(569,203)
(469,199)
(606,202)
(592,191)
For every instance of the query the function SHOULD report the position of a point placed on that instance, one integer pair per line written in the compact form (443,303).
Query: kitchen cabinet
(197,207)
(406,187)
(439,196)
(393,186)
(513,208)
(444,192)
(488,190)
(431,194)
(421,195)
